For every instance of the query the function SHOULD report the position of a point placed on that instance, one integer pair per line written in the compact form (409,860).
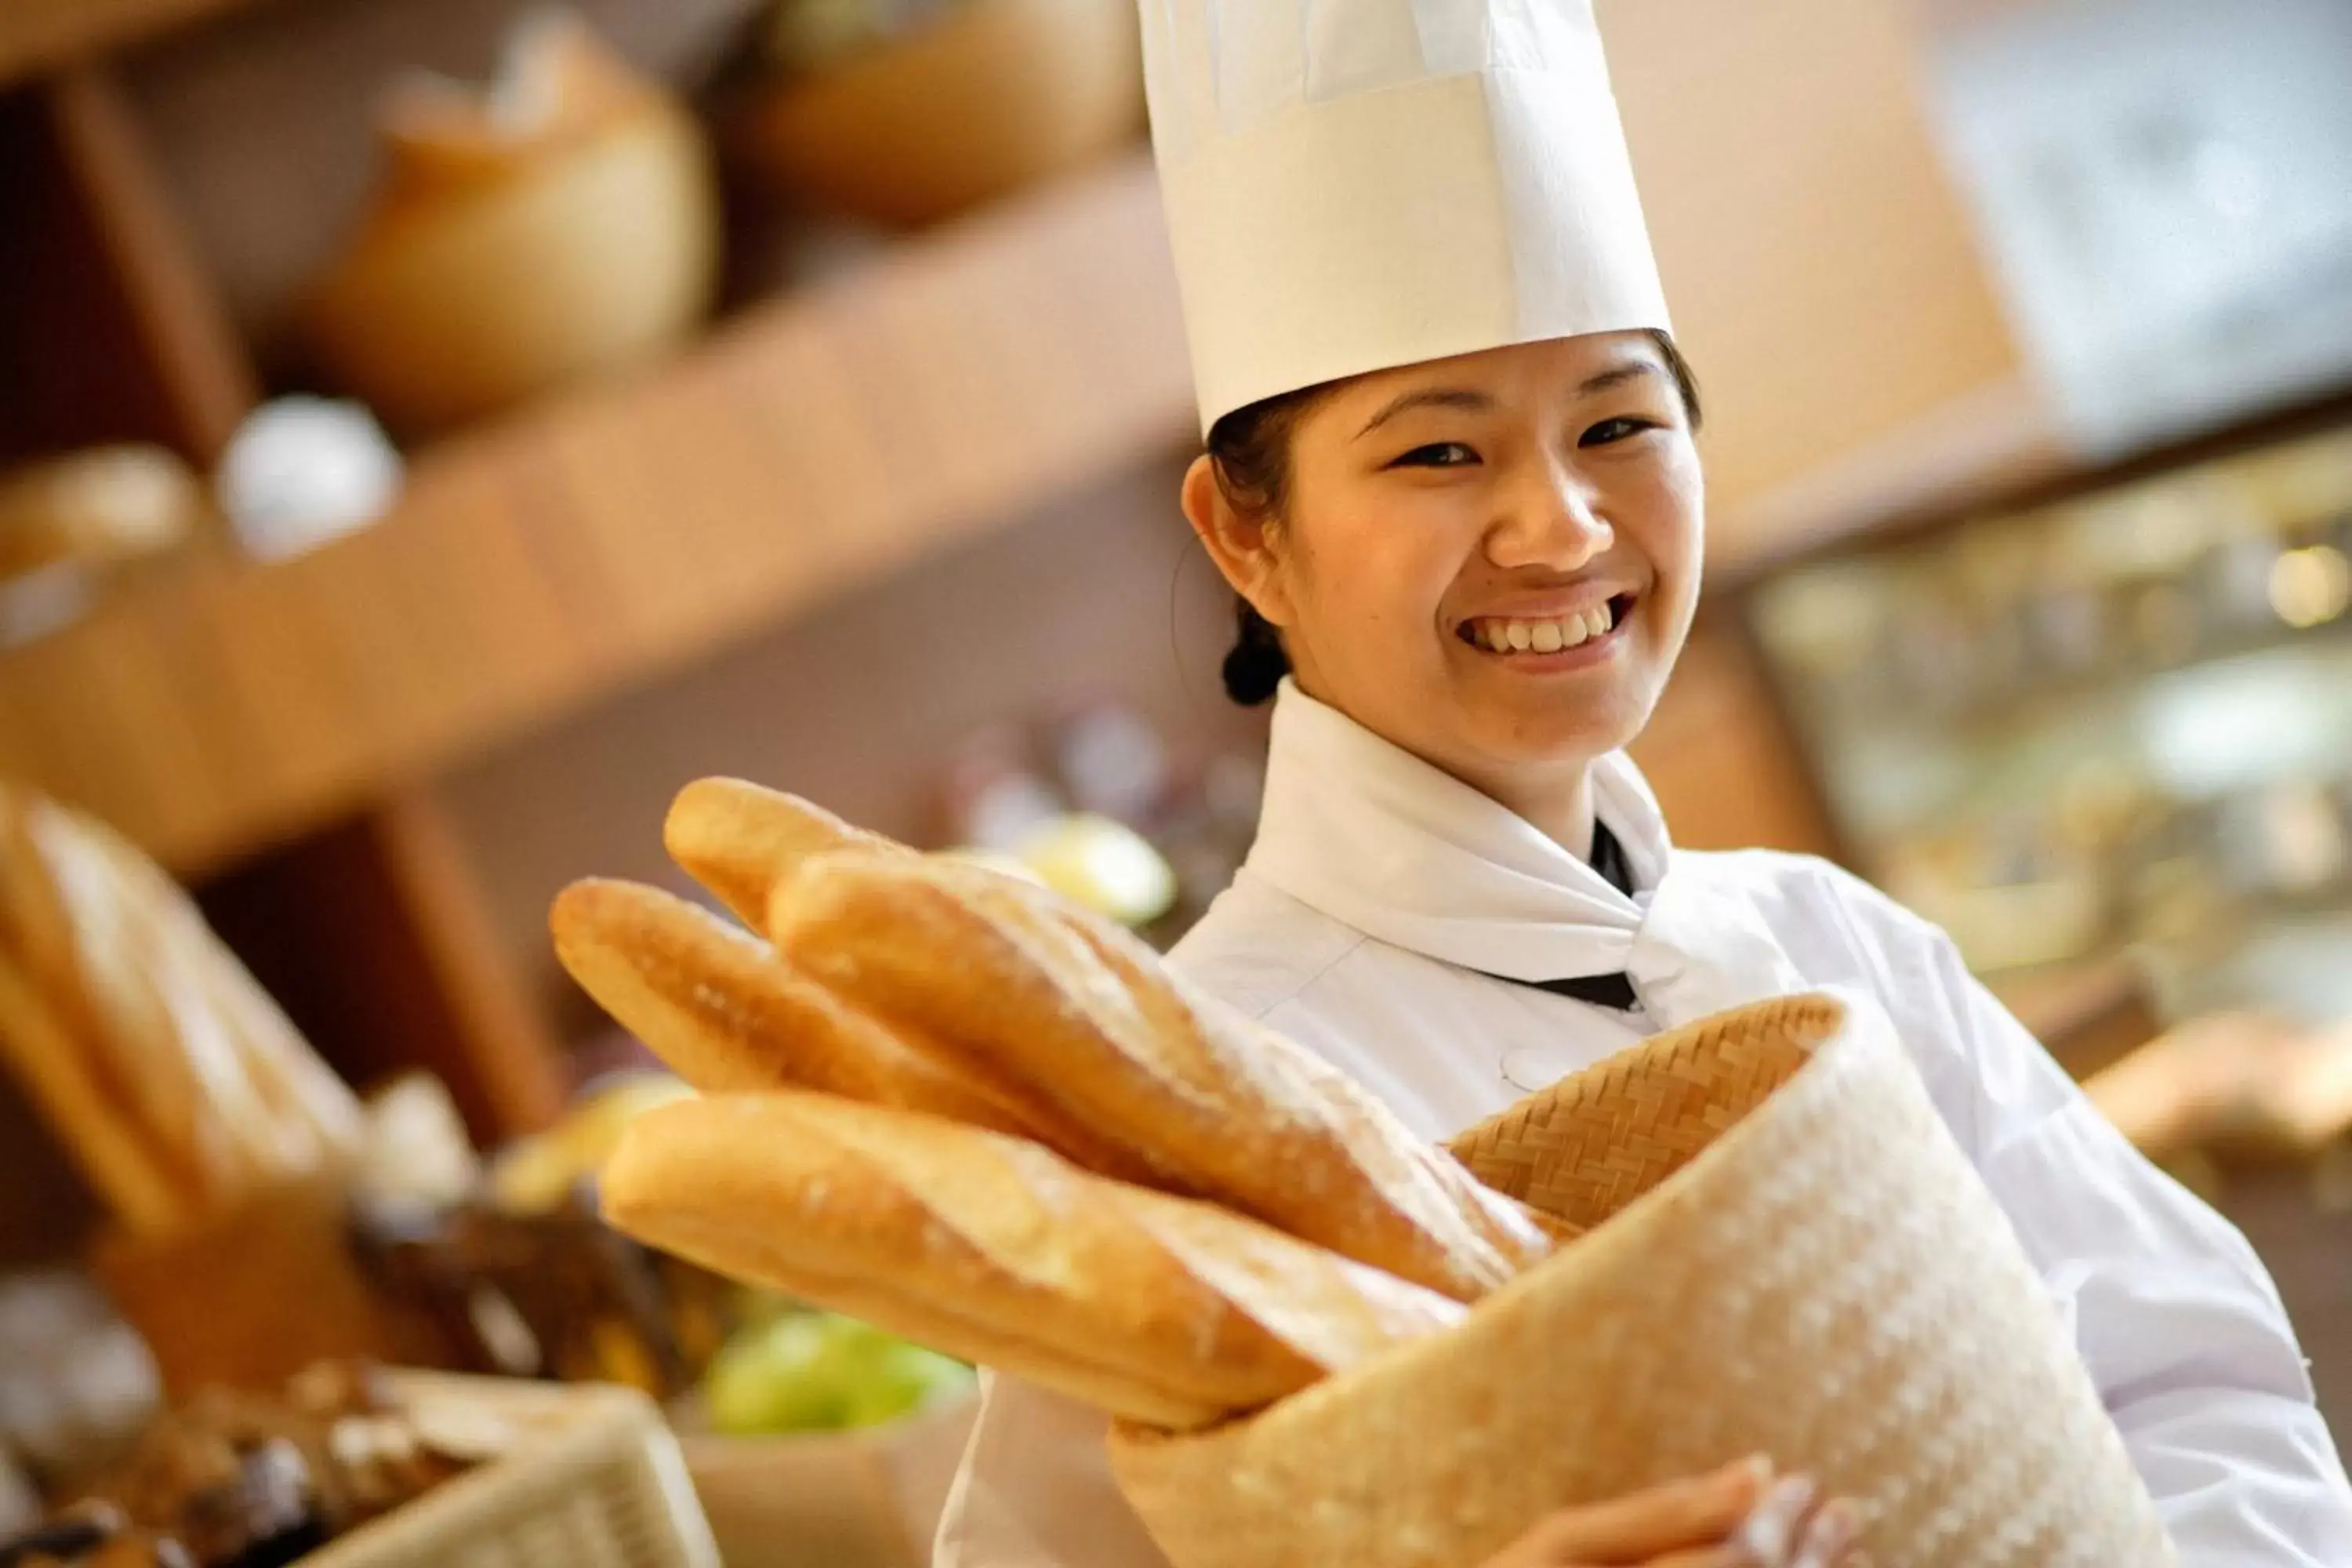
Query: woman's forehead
(1562,364)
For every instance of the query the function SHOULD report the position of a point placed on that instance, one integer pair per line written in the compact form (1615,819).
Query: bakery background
(390,528)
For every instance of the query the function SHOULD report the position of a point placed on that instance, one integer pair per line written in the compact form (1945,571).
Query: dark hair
(1251,450)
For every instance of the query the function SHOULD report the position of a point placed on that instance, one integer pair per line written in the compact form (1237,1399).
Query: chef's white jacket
(1384,917)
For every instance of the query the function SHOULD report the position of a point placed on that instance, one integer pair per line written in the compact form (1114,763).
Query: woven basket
(600,1484)
(1787,1254)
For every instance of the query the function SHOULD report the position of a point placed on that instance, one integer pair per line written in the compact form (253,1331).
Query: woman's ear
(1236,541)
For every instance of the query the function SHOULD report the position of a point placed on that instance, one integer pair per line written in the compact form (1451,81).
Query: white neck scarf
(1367,833)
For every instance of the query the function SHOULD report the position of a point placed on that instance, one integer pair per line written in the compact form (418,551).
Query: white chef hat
(1354,184)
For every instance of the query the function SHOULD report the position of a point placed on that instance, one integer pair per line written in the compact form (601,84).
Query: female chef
(1451,475)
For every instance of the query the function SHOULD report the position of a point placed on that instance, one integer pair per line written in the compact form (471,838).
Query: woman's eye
(1437,454)
(1610,431)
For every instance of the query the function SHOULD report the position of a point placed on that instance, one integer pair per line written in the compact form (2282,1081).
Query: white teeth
(1544,636)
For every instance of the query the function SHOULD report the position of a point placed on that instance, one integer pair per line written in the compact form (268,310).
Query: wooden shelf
(594,542)
(41,35)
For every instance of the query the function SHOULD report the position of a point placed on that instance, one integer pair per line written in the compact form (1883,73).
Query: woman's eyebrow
(1460,397)
(1475,402)
(1632,370)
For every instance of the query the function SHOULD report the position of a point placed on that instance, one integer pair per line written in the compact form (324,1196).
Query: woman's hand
(1740,1517)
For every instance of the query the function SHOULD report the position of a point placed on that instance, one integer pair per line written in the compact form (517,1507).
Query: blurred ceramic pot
(965,107)
(564,224)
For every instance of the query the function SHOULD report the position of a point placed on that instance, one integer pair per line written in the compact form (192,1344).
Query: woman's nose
(1553,523)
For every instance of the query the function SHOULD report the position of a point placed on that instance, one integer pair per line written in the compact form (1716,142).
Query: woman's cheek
(1393,578)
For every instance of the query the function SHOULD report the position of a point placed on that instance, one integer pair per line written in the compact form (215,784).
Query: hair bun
(1254,668)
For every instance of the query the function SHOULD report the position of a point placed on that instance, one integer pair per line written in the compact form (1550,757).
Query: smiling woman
(1451,473)
(1251,451)
(1535,510)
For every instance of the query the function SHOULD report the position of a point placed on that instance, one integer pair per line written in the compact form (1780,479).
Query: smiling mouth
(1557,634)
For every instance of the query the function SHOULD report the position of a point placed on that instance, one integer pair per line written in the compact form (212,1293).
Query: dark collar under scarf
(1613,992)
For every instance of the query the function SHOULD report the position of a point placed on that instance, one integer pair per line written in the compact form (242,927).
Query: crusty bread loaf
(728,1015)
(104,1140)
(1389,1153)
(740,839)
(309,1119)
(1332,1310)
(715,1004)
(1041,992)
(162,1065)
(177,1008)
(43,1021)
(995,1248)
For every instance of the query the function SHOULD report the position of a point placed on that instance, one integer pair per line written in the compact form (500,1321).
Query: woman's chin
(1550,728)
(1470,723)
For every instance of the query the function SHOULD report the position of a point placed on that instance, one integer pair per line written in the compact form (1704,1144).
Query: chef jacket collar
(1362,830)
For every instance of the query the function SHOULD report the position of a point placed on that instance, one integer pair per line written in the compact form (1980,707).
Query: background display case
(2109,717)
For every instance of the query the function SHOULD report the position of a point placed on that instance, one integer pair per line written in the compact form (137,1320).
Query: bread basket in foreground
(1787,1254)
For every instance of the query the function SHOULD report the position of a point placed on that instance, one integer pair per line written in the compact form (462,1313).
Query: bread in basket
(1788,1254)
(1326,1342)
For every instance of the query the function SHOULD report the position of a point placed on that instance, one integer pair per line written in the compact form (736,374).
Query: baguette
(1391,1156)
(729,1016)
(996,1249)
(104,1141)
(312,1120)
(1041,992)
(91,960)
(168,991)
(741,840)
(157,1058)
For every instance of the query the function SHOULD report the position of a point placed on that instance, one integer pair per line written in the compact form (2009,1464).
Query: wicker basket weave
(600,1484)
(1788,1254)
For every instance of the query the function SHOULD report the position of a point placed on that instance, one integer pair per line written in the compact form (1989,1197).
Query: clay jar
(991,96)
(561,224)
